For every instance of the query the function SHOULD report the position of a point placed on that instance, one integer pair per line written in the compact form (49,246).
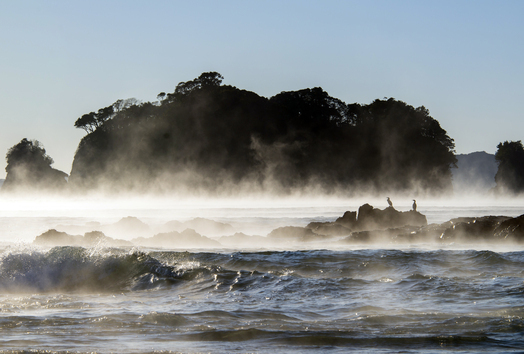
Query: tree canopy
(510,174)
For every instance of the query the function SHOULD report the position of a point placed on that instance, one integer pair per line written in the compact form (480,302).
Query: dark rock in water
(201,225)
(52,238)
(328,229)
(390,225)
(482,228)
(242,240)
(128,227)
(79,229)
(187,239)
(56,238)
(173,225)
(370,218)
(371,225)
(294,234)
(209,227)
(430,233)
(94,238)
(511,229)
(393,226)
(348,220)
(406,234)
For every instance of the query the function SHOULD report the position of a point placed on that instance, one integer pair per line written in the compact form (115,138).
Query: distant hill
(475,172)
(1,182)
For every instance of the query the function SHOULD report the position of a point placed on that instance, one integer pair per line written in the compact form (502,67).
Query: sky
(462,60)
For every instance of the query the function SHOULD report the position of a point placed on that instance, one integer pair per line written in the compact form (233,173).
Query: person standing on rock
(390,203)
(414,205)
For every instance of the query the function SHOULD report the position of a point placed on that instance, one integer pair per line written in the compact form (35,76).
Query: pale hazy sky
(463,60)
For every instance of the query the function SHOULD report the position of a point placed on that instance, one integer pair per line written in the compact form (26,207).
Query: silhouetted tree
(510,174)
(205,80)
(92,121)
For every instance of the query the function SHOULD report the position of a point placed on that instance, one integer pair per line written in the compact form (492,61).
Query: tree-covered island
(213,137)
(216,138)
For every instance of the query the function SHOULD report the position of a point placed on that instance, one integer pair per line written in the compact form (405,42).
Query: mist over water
(251,297)
(24,218)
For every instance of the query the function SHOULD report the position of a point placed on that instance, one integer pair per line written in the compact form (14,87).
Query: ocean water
(362,298)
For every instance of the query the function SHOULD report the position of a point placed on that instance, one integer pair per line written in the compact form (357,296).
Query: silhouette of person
(390,202)
(414,205)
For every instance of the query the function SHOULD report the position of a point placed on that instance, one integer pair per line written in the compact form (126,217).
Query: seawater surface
(380,299)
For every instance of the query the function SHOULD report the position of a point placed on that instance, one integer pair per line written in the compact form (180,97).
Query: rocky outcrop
(348,220)
(328,229)
(53,238)
(56,238)
(201,225)
(128,227)
(406,234)
(472,229)
(511,229)
(487,229)
(187,239)
(369,225)
(294,234)
(370,218)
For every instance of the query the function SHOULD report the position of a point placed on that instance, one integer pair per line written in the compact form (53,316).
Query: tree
(205,80)
(27,152)
(211,78)
(92,121)
(510,174)
(87,122)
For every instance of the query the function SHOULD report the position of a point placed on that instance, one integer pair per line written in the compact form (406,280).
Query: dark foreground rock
(468,231)
(473,229)
(371,225)
(294,234)
(511,229)
(328,229)
(369,219)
